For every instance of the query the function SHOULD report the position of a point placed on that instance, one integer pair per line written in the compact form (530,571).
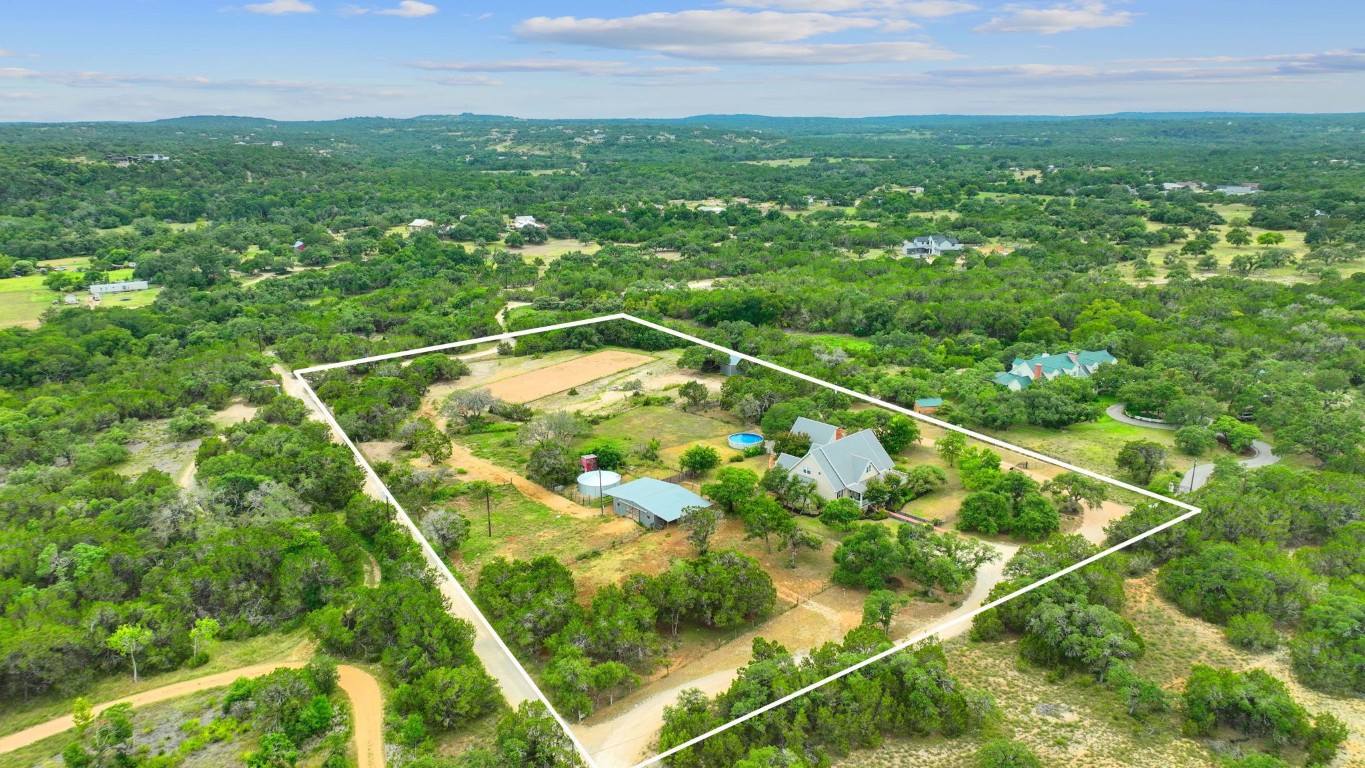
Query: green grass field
(24,299)
(522,529)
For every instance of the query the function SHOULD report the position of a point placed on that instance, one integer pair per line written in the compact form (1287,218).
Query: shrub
(1000,753)
(1253,632)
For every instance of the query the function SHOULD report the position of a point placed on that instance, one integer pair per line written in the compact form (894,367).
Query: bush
(1253,632)
(1000,753)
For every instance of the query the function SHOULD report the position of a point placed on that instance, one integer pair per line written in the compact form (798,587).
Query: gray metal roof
(846,460)
(664,500)
(819,432)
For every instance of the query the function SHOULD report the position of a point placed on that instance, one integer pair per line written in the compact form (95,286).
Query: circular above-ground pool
(593,484)
(743,441)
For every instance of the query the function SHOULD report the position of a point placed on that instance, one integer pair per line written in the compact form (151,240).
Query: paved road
(1117,413)
(1263,455)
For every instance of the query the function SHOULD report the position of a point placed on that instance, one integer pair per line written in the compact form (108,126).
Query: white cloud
(278,7)
(764,37)
(410,9)
(927,9)
(1208,70)
(5,52)
(819,54)
(480,80)
(662,31)
(590,67)
(98,79)
(1067,17)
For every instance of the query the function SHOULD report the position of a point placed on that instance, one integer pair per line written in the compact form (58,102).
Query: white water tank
(593,484)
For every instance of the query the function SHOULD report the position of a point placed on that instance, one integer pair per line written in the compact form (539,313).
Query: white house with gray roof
(927,246)
(839,465)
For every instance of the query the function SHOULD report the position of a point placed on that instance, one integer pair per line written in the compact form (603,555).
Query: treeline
(909,694)
(596,653)
(1274,559)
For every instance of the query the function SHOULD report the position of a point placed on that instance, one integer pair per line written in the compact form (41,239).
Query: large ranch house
(839,465)
(1075,364)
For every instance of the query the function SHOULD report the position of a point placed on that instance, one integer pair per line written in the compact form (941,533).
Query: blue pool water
(743,440)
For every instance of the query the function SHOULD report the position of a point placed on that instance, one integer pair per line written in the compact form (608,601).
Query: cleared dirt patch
(558,378)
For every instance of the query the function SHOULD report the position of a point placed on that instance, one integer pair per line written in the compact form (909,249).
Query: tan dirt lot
(557,378)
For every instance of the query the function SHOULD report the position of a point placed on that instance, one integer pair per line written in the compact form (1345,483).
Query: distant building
(71,298)
(927,246)
(839,466)
(1237,190)
(731,367)
(915,190)
(711,208)
(99,289)
(417,224)
(928,405)
(126,160)
(1075,364)
(522,222)
(654,503)
(1171,186)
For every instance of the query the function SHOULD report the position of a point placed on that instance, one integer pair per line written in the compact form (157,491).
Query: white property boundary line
(299,374)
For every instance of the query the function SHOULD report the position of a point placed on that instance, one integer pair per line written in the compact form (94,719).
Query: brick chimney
(772,460)
(1037,371)
(1072,356)
(838,433)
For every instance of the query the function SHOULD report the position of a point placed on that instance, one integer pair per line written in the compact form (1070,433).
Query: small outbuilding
(928,405)
(654,503)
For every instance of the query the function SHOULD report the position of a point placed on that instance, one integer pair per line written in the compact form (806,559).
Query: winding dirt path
(23,738)
(367,704)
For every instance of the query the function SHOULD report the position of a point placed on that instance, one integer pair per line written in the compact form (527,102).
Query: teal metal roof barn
(654,503)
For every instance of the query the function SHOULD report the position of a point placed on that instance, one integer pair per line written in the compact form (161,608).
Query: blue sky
(317,59)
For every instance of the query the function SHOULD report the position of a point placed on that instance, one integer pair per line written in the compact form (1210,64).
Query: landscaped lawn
(1094,444)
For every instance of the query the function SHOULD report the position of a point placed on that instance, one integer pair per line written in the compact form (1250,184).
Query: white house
(522,222)
(839,465)
(927,246)
(99,289)
(417,224)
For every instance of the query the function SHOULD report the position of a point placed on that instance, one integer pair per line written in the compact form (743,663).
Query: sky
(321,59)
